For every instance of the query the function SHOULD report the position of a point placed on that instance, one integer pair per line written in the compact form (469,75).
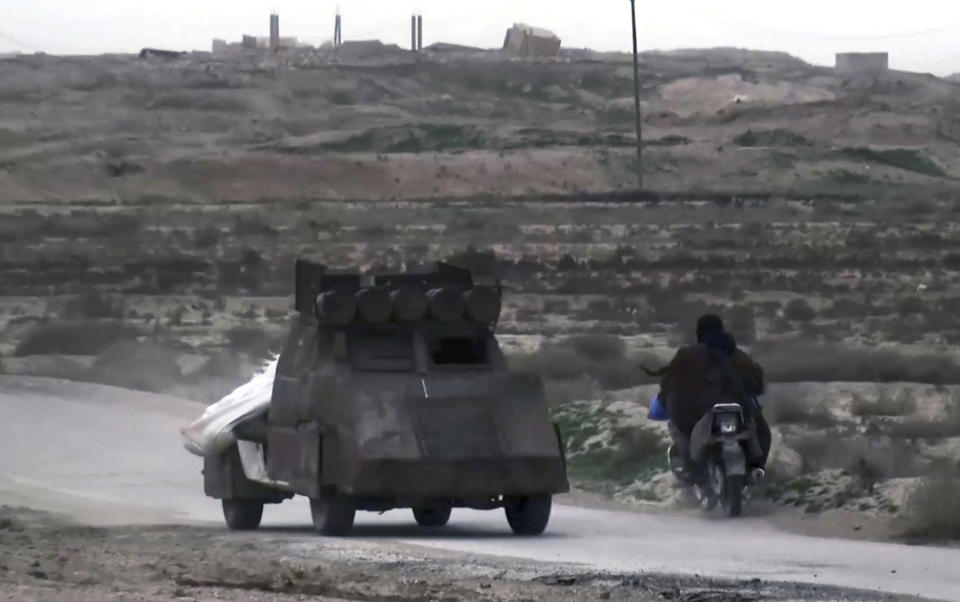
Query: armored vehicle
(392,392)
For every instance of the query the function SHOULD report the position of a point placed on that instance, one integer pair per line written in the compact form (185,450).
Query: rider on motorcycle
(709,372)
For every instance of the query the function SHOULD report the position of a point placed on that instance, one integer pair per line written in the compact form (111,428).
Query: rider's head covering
(707,325)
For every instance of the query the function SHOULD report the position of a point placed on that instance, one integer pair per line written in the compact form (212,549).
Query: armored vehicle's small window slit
(459,350)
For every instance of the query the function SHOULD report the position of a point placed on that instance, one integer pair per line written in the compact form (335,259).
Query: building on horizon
(524,41)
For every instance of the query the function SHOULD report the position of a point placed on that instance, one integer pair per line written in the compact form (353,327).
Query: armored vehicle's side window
(458,350)
(381,349)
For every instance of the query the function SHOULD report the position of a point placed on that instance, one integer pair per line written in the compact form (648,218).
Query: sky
(921,35)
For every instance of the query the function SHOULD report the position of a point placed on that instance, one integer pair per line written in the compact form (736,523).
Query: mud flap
(562,445)
(734,459)
(565,484)
(254,465)
(224,478)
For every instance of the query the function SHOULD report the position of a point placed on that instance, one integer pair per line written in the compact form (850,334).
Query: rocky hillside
(116,129)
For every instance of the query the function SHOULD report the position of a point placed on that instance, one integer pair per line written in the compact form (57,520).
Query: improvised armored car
(392,392)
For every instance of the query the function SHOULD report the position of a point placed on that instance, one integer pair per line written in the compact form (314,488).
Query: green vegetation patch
(604,449)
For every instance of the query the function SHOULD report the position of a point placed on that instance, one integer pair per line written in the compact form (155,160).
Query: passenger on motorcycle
(709,372)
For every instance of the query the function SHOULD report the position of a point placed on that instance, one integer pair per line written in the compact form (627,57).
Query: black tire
(733,495)
(332,514)
(432,516)
(242,515)
(528,515)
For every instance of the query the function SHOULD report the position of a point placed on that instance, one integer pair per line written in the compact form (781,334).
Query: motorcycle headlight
(728,423)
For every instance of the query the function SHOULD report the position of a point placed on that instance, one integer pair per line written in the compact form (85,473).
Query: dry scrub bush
(637,449)
(564,391)
(847,308)
(605,310)
(144,366)
(884,404)
(598,357)
(670,308)
(598,347)
(947,425)
(799,310)
(797,361)
(795,409)
(253,340)
(93,306)
(86,337)
(869,458)
(216,377)
(931,510)
(742,323)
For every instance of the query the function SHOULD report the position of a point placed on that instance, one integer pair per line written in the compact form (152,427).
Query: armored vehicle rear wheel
(332,514)
(242,515)
(528,515)
(432,516)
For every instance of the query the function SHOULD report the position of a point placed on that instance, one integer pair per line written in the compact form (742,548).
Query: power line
(636,97)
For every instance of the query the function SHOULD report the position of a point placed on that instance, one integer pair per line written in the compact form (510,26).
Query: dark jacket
(696,379)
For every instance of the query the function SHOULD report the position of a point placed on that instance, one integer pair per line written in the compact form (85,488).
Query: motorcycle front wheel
(732,499)
(727,489)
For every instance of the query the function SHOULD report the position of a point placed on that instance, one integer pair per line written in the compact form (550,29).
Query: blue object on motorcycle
(657,411)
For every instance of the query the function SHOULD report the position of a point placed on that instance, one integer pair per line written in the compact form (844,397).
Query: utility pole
(636,96)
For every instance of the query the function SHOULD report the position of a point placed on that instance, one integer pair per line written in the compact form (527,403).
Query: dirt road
(111,456)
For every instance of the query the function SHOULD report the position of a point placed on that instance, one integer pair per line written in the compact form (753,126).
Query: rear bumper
(456,479)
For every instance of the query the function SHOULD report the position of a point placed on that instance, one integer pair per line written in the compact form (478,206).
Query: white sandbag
(212,433)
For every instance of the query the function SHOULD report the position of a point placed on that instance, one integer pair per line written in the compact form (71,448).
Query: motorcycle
(719,445)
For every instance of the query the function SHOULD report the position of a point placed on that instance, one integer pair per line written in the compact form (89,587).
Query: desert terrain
(142,530)
(151,210)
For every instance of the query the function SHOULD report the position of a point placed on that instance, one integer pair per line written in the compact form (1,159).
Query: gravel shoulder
(44,556)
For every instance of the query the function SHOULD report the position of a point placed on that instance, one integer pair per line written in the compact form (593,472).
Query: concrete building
(274,41)
(863,63)
(525,41)
(260,42)
(223,48)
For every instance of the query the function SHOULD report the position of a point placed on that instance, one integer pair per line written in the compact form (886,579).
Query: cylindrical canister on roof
(373,305)
(336,308)
(483,304)
(446,304)
(409,303)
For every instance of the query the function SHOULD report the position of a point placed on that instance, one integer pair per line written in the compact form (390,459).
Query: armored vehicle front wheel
(528,515)
(332,514)
(432,516)
(242,515)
